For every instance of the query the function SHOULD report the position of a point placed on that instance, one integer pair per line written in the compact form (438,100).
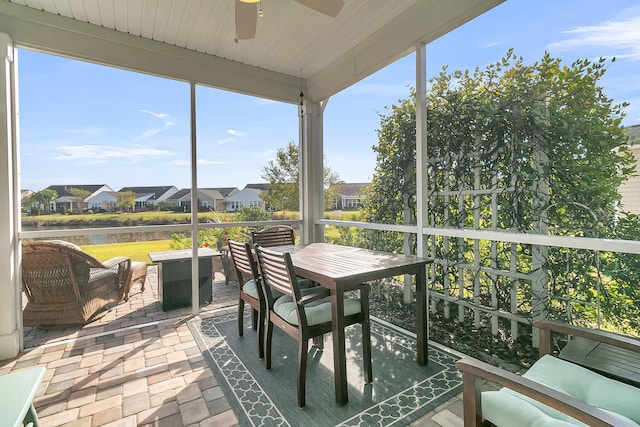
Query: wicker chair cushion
(97,275)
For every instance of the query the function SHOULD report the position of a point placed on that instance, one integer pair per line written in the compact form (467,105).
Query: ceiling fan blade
(246,20)
(328,7)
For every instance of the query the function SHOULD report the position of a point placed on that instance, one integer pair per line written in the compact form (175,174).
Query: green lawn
(137,251)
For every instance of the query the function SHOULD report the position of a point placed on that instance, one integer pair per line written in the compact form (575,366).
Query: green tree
(44,198)
(78,196)
(163,205)
(283,176)
(126,200)
(545,135)
(390,199)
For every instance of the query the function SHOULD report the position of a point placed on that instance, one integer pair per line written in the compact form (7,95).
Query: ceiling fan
(247,14)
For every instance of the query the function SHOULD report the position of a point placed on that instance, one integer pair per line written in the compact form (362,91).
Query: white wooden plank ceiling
(292,41)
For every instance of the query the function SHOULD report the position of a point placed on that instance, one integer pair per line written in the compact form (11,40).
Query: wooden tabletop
(327,263)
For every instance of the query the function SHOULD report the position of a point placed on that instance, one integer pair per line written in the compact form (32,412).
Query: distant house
(67,200)
(226,191)
(103,201)
(630,190)
(174,199)
(146,196)
(349,196)
(260,187)
(208,199)
(248,196)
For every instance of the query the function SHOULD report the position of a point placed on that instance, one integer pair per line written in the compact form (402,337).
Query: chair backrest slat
(243,261)
(277,271)
(278,235)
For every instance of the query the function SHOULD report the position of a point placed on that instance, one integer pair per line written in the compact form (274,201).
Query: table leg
(422,317)
(339,353)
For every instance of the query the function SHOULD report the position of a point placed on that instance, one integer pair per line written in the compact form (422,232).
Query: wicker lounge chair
(64,285)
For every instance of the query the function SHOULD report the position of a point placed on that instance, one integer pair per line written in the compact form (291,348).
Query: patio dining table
(343,268)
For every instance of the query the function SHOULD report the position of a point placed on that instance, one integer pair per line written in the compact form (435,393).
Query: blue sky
(81,123)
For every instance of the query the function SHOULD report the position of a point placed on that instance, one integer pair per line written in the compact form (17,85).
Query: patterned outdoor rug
(402,391)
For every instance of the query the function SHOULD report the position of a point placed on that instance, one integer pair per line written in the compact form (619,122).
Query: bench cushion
(503,406)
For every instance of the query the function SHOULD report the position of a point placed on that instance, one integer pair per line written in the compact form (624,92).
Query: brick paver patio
(140,366)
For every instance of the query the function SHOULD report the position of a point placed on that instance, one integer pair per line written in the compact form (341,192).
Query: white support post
(421,145)
(311,171)
(10,286)
(421,159)
(421,171)
(195,275)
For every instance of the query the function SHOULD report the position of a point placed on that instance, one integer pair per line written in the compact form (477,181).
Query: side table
(17,391)
(611,361)
(174,276)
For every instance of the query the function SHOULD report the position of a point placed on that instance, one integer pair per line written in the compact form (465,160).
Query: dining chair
(277,235)
(305,313)
(250,289)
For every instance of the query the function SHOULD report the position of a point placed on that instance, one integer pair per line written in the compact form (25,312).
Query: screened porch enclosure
(491,259)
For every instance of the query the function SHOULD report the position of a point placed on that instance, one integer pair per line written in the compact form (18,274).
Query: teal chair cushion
(317,312)
(251,289)
(503,407)
(619,399)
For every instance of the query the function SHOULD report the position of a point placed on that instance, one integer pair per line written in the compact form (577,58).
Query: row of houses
(101,198)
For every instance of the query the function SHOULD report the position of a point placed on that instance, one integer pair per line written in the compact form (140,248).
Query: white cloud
(153,132)
(235,132)
(104,152)
(623,37)
(154,114)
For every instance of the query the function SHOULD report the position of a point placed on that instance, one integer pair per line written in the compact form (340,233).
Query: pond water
(99,239)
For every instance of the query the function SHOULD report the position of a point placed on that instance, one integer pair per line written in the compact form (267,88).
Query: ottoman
(138,274)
